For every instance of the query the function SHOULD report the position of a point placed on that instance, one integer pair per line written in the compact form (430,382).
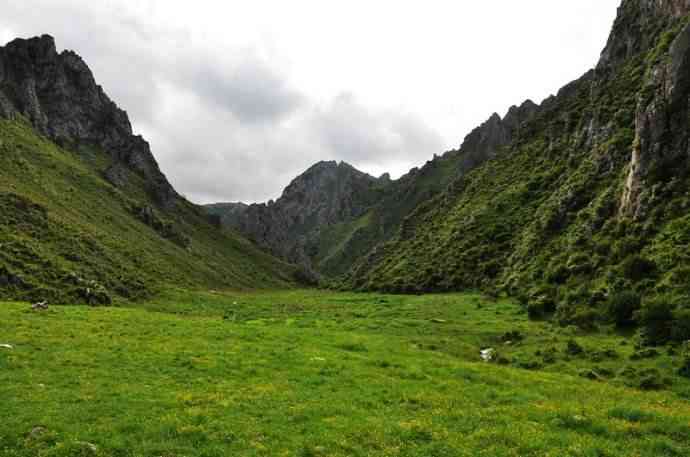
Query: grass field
(313,373)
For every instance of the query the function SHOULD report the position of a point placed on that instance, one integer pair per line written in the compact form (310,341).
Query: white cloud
(237,98)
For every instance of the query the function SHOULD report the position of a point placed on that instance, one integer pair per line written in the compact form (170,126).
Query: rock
(37,432)
(87,448)
(40,306)
(634,26)
(439,321)
(487,355)
(59,95)
(661,134)
(6,346)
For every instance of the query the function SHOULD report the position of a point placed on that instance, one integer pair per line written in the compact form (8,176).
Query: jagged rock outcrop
(326,194)
(228,213)
(635,26)
(486,140)
(57,93)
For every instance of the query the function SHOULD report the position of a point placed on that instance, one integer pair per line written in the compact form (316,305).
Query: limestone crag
(57,93)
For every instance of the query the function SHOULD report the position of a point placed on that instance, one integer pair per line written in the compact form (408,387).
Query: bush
(584,318)
(638,268)
(622,307)
(681,325)
(539,302)
(656,319)
(684,370)
(558,274)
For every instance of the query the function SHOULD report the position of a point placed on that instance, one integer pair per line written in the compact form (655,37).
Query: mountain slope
(311,210)
(95,219)
(588,201)
(332,215)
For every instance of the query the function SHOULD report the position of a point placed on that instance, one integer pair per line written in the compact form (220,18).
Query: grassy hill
(67,234)
(307,373)
(586,212)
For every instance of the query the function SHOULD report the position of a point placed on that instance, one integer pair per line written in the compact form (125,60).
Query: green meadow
(315,373)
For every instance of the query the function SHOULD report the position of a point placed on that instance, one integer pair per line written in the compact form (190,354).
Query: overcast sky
(239,97)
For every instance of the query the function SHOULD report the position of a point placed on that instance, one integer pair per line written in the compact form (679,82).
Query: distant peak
(37,47)
(495,118)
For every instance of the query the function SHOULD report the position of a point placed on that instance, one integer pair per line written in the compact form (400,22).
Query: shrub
(656,319)
(540,302)
(622,307)
(681,325)
(558,274)
(684,370)
(637,268)
(584,318)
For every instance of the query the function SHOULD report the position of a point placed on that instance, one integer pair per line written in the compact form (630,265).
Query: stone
(40,306)
(37,432)
(488,354)
(87,448)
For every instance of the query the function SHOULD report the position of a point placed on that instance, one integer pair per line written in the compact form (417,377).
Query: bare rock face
(660,151)
(57,93)
(633,31)
(484,142)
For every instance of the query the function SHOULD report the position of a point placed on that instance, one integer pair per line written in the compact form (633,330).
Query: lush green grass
(309,373)
(64,228)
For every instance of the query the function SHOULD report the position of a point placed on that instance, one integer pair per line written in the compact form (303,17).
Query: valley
(524,294)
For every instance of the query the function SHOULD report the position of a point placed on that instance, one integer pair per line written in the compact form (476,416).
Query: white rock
(6,346)
(487,355)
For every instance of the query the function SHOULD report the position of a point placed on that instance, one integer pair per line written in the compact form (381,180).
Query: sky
(239,97)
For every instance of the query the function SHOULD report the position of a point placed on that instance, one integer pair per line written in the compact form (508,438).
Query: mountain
(302,225)
(578,205)
(332,215)
(587,203)
(86,213)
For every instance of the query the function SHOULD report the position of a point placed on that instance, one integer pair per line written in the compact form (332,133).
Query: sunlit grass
(310,373)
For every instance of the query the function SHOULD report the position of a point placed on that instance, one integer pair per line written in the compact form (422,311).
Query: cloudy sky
(238,97)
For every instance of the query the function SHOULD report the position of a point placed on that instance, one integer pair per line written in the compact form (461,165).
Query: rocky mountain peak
(58,94)
(635,28)
(486,140)
(327,193)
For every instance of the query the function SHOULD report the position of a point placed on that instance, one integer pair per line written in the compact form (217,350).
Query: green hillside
(586,212)
(67,234)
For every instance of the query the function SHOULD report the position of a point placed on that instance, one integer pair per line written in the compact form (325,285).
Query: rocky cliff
(327,194)
(57,93)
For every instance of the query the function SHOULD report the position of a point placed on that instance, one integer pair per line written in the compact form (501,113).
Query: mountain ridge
(86,215)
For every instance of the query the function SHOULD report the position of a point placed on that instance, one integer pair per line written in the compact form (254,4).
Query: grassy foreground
(312,373)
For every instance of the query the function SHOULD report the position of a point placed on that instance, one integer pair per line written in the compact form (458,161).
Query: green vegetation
(309,373)
(542,221)
(67,235)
